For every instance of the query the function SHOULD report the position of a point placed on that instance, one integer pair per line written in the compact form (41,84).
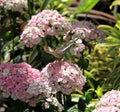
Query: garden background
(59,56)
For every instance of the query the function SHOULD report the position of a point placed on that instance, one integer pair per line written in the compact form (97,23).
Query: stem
(1,45)
(67,102)
(83,58)
(13,30)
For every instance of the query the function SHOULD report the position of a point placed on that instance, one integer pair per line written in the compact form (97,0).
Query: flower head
(21,81)
(45,23)
(2,3)
(107,109)
(110,101)
(14,5)
(86,31)
(31,36)
(64,76)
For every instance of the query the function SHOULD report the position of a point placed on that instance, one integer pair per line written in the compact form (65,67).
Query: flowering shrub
(46,70)
(31,36)
(21,81)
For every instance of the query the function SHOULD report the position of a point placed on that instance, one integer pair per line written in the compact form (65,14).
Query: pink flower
(64,76)
(15,5)
(85,30)
(54,102)
(21,81)
(110,100)
(45,23)
(2,3)
(51,22)
(107,109)
(32,36)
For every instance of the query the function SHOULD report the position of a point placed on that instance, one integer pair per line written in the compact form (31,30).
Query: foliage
(52,48)
(86,6)
(107,68)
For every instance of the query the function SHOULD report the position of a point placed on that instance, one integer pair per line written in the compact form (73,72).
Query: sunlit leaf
(86,6)
(88,74)
(118,24)
(99,91)
(116,2)
(109,30)
(74,109)
(75,97)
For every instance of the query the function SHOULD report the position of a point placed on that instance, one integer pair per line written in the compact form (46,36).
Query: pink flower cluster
(21,81)
(2,3)
(85,30)
(54,102)
(31,36)
(107,109)
(80,33)
(64,76)
(49,23)
(110,101)
(15,5)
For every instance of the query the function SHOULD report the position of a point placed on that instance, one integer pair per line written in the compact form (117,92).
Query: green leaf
(116,2)
(118,24)
(74,109)
(92,82)
(88,96)
(45,3)
(86,6)
(33,55)
(83,63)
(75,97)
(68,2)
(88,74)
(111,31)
(117,16)
(10,44)
(99,91)
(82,103)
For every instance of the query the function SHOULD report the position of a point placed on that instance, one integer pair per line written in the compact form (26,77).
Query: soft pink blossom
(2,3)
(32,36)
(107,109)
(64,76)
(110,100)
(14,5)
(45,23)
(86,31)
(21,81)
(53,101)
